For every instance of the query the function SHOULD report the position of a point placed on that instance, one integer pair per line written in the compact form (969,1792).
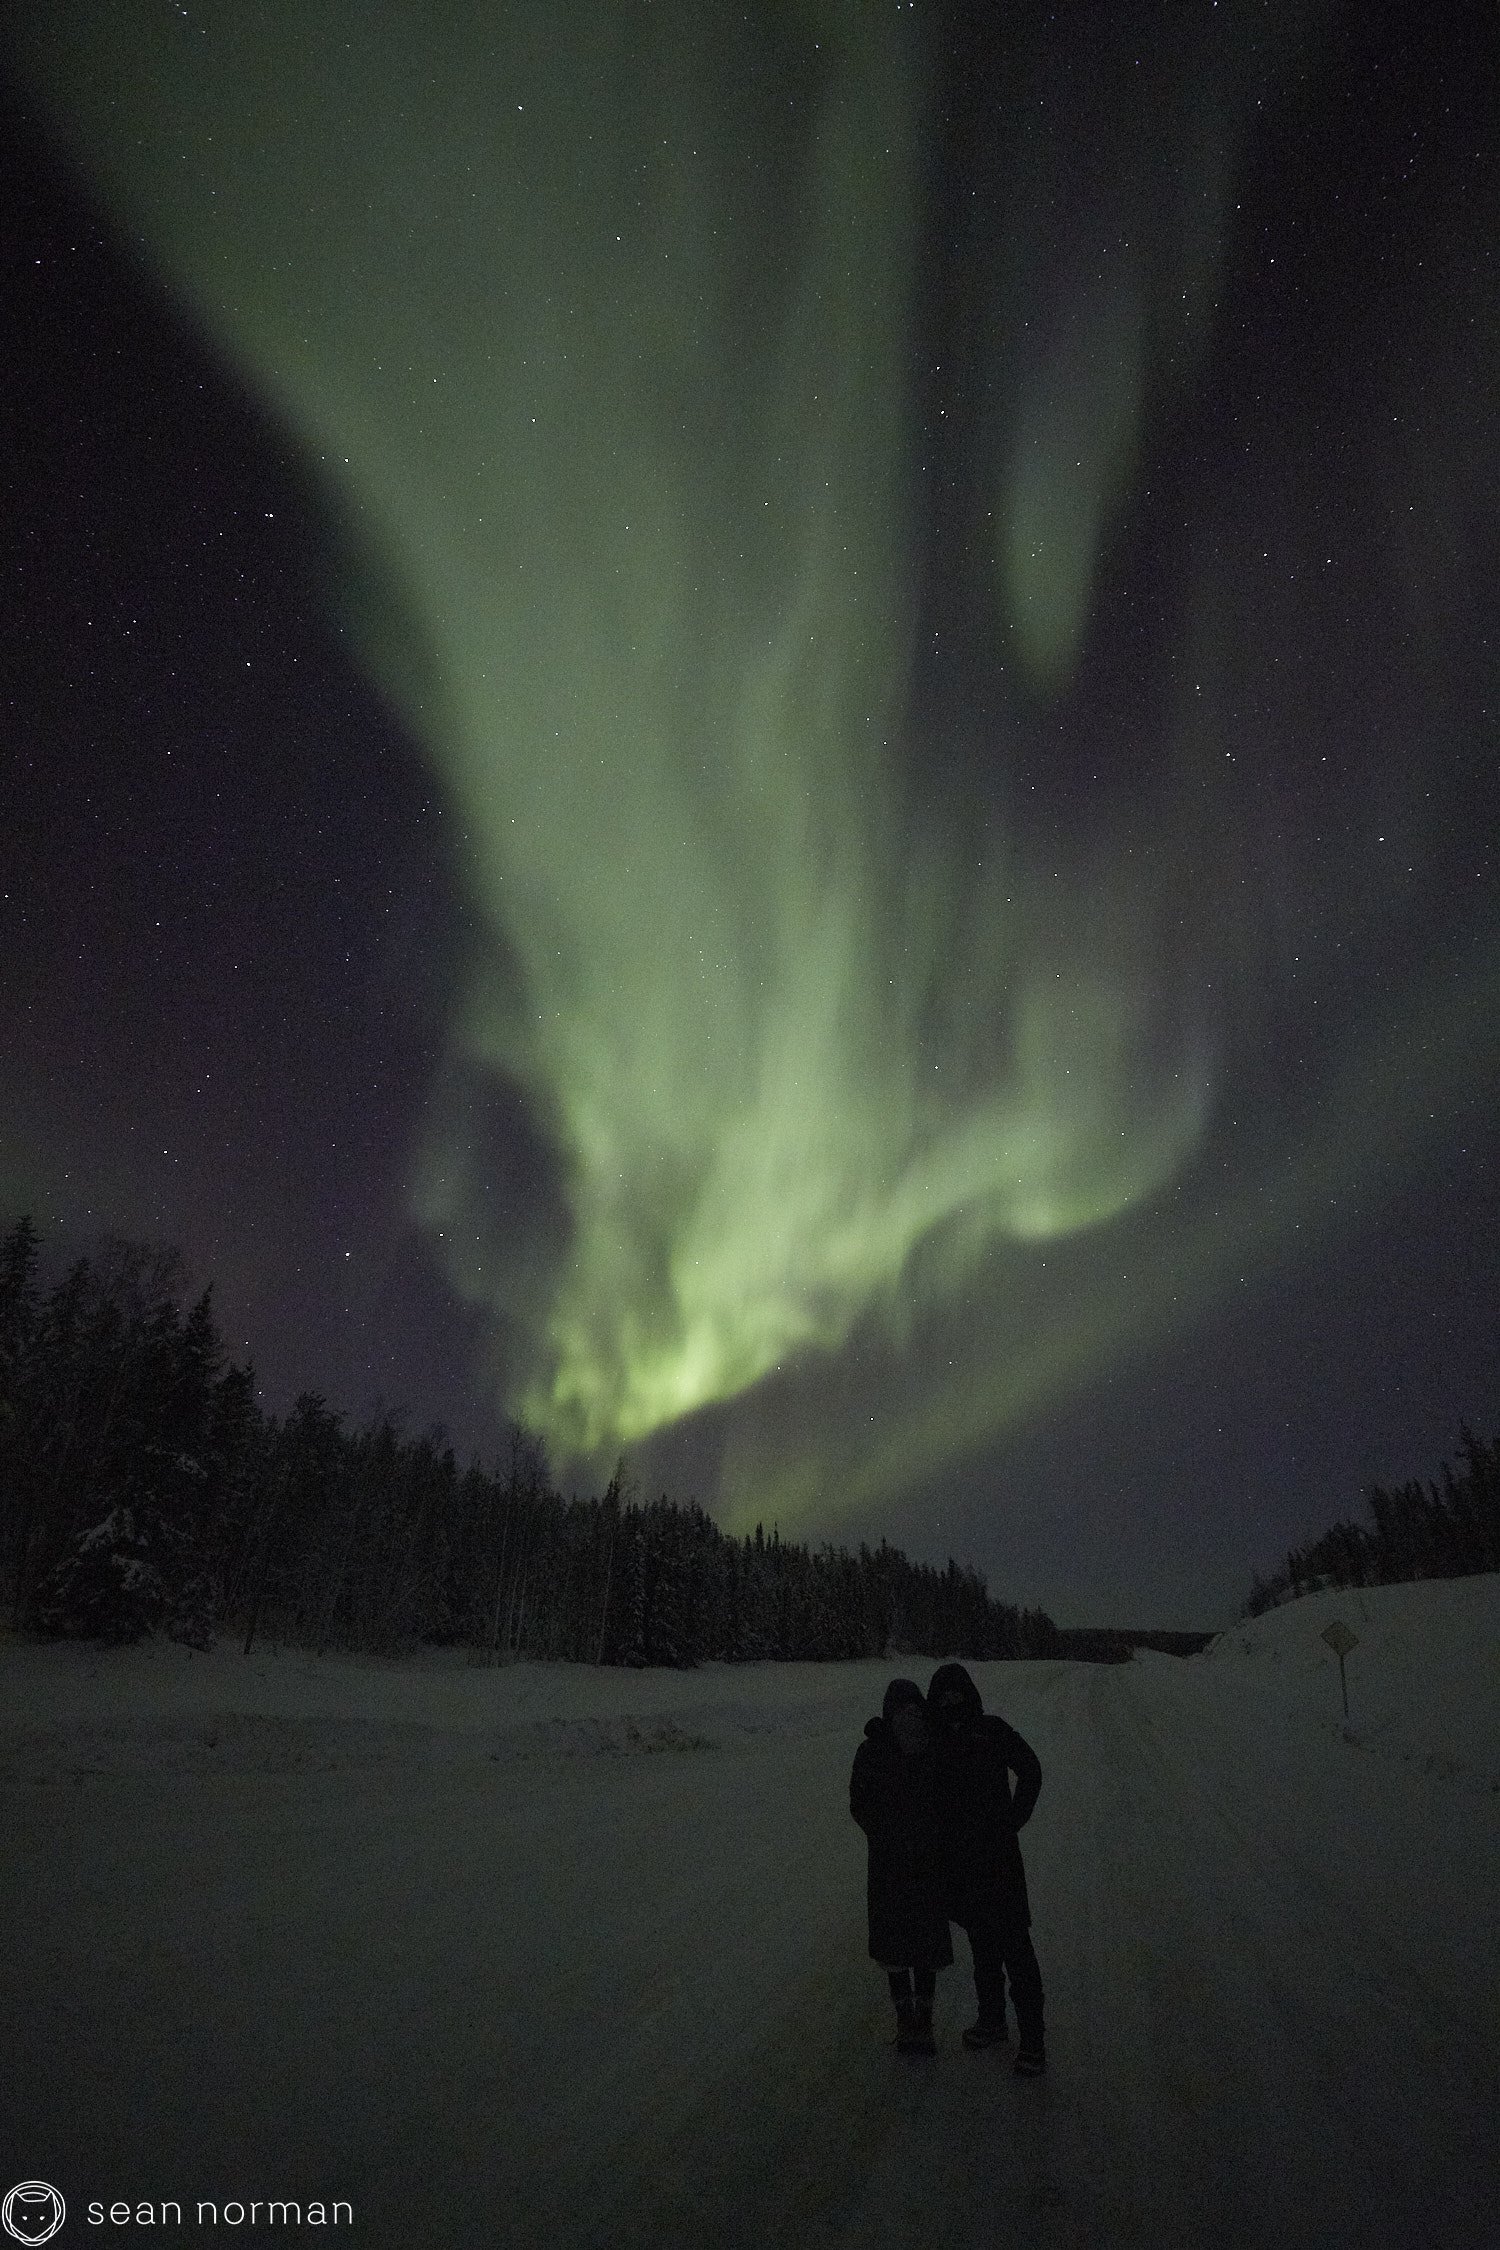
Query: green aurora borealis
(599,328)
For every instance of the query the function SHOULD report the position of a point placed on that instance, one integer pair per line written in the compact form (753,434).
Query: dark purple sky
(234,912)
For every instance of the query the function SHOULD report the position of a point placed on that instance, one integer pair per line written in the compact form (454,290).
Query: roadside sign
(1341,1640)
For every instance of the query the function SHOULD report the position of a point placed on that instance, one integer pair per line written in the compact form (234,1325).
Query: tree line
(143,1489)
(1448,1527)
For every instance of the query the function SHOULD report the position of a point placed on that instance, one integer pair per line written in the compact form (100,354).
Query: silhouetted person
(892,1796)
(975,1755)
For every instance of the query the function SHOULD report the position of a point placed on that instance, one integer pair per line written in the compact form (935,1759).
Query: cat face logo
(33,2212)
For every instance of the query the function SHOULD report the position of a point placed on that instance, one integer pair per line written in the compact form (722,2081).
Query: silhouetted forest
(1447,1528)
(143,1490)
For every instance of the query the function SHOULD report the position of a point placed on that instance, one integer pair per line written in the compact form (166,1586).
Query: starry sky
(770,735)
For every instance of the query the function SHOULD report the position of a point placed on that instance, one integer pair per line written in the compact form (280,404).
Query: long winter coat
(979,1818)
(892,1796)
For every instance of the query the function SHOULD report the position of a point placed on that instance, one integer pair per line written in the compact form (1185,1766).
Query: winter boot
(907,2042)
(984,2034)
(1031,2062)
(923,2043)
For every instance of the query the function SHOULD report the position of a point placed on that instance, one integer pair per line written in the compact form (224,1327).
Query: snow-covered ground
(554,1957)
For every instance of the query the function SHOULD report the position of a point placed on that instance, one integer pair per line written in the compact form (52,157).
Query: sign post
(1341,1640)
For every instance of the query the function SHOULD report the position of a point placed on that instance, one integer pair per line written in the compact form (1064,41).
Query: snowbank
(70,1709)
(1424,1687)
(1424,1680)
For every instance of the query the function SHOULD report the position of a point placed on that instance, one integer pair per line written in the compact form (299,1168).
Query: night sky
(771,735)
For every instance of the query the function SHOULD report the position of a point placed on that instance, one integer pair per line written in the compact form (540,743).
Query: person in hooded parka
(975,1753)
(892,1796)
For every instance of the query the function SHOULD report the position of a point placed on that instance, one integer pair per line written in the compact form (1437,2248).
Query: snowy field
(553,1957)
